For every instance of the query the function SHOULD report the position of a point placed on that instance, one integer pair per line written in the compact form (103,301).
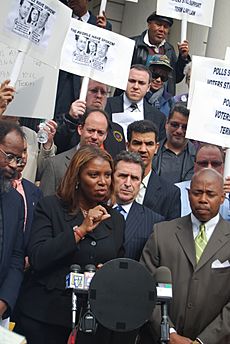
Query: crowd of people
(98,189)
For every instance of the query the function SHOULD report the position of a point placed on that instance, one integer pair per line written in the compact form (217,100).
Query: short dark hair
(181,108)
(143,126)
(209,145)
(7,127)
(143,68)
(82,119)
(130,157)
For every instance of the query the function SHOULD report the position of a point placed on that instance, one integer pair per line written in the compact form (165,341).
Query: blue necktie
(121,210)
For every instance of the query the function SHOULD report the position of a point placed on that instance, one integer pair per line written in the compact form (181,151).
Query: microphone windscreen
(75,268)
(163,275)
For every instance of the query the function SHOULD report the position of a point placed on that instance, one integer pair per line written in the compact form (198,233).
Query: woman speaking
(73,227)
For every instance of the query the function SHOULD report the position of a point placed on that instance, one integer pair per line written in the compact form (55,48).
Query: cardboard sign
(96,53)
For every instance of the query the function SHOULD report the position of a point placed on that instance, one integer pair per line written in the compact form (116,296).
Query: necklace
(84,212)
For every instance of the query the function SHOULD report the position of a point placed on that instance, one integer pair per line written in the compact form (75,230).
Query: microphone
(164,294)
(90,270)
(75,279)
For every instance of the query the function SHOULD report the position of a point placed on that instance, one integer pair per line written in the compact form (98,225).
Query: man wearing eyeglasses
(207,156)
(11,218)
(67,135)
(157,95)
(174,160)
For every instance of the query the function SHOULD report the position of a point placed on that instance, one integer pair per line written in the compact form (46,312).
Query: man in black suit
(155,192)
(69,84)
(11,217)
(129,171)
(133,103)
(67,136)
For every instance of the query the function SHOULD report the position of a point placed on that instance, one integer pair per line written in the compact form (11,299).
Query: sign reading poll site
(96,53)
(36,27)
(211,71)
(34,80)
(209,119)
(195,11)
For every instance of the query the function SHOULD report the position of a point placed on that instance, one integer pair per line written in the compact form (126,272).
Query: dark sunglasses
(205,163)
(176,125)
(156,75)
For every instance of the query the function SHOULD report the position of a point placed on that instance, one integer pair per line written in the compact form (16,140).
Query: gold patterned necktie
(200,242)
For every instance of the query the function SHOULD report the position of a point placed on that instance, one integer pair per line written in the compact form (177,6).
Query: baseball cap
(160,60)
(155,16)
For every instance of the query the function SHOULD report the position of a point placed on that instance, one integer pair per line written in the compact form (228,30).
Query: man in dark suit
(196,248)
(133,103)
(11,217)
(129,171)
(92,131)
(155,192)
(69,84)
(67,136)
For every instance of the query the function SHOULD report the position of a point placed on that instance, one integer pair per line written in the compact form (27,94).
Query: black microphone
(164,294)
(74,271)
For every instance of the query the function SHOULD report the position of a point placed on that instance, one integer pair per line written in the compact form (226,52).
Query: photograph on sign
(209,120)
(34,80)
(211,71)
(198,12)
(97,53)
(37,27)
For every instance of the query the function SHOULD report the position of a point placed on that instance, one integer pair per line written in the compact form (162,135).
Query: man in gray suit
(93,131)
(129,171)
(196,248)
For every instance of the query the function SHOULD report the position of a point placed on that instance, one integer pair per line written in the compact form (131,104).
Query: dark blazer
(33,194)
(12,253)
(199,290)
(67,137)
(162,197)
(54,171)
(116,104)
(138,227)
(53,249)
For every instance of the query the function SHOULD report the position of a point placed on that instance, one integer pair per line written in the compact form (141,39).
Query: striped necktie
(133,107)
(121,210)
(200,242)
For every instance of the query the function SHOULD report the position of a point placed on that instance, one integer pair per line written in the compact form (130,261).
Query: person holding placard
(154,41)
(68,89)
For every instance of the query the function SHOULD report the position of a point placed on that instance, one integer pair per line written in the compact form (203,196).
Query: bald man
(196,248)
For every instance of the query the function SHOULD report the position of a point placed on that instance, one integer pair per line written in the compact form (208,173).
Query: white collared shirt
(155,47)
(126,208)
(141,194)
(209,226)
(84,18)
(128,102)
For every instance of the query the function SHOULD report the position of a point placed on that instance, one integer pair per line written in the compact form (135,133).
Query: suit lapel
(68,156)
(220,236)
(185,237)
(134,221)
(151,194)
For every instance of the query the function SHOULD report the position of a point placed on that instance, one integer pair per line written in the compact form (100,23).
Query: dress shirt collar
(84,18)
(155,47)
(126,207)
(141,194)
(127,103)
(209,226)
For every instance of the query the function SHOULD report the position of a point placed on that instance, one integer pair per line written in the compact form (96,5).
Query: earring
(76,187)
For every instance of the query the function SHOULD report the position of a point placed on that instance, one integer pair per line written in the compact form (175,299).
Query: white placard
(227,54)
(209,119)
(211,71)
(132,1)
(96,53)
(37,27)
(196,11)
(35,87)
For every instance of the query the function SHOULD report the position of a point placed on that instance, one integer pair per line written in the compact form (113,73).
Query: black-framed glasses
(10,158)
(176,125)
(213,163)
(98,90)
(156,75)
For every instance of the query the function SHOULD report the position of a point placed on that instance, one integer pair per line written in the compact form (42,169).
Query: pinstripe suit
(139,226)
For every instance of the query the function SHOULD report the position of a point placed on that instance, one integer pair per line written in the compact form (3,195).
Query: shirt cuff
(199,341)
(172,330)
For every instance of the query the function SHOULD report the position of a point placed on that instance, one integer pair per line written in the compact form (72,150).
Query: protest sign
(227,54)
(195,11)
(211,71)
(96,53)
(35,87)
(209,119)
(36,27)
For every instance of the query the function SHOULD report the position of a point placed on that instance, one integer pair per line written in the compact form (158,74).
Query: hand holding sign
(183,49)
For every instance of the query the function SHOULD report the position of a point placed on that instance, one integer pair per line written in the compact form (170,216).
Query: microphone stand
(164,324)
